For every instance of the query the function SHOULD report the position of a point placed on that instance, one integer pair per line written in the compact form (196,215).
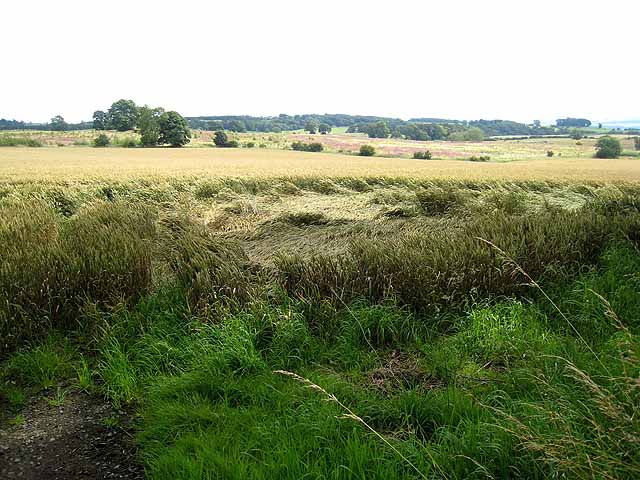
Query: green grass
(394,347)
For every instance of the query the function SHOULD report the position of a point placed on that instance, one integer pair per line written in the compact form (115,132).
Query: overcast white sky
(516,59)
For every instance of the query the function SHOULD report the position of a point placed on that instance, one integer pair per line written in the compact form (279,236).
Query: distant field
(501,150)
(78,163)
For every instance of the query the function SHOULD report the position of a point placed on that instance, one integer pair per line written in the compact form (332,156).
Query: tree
(311,126)
(474,134)
(608,147)
(573,122)
(536,124)
(378,130)
(237,126)
(367,151)
(174,129)
(149,125)
(636,143)
(123,115)
(220,138)
(324,128)
(213,125)
(101,141)
(576,134)
(100,120)
(58,124)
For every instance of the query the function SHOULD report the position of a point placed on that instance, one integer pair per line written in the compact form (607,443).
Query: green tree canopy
(324,128)
(58,124)
(123,115)
(100,120)
(378,130)
(367,151)
(608,147)
(311,126)
(174,129)
(149,125)
(220,138)
(237,126)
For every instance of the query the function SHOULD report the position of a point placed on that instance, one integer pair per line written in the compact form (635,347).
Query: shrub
(307,147)
(481,158)
(636,143)
(101,141)
(220,138)
(367,151)
(550,153)
(608,147)
(422,155)
(250,145)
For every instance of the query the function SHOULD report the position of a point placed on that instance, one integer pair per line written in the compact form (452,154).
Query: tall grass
(434,268)
(6,141)
(52,266)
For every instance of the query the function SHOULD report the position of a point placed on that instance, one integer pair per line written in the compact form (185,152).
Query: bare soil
(81,438)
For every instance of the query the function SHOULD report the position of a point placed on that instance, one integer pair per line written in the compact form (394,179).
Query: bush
(367,151)
(101,141)
(221,140)
(422,155)
(550,153)
(608,147)
(636,143)
(481,158)
(250,145)
(307,147)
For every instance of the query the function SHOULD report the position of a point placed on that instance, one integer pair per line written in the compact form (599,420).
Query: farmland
(509,159)
(260,312)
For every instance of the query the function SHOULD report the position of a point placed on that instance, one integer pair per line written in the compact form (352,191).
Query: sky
(491,59)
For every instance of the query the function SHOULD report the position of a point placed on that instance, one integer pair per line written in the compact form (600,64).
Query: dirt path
(78,439)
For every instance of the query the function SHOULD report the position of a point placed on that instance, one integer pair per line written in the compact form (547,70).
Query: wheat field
(82,163)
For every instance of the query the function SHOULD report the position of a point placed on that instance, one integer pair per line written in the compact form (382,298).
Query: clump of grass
(507,203)
(440,201)
(41,366)
(210,269)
